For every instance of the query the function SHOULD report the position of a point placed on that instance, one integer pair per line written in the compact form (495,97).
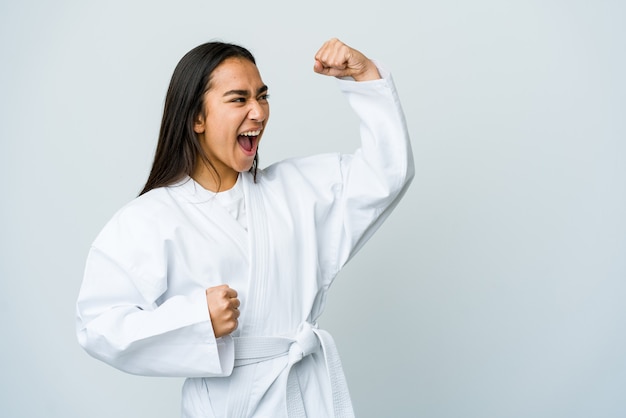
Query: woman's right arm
(122,321)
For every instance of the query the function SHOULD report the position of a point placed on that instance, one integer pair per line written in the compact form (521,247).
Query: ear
(199,125)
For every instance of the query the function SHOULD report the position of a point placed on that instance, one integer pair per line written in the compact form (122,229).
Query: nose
(257,112)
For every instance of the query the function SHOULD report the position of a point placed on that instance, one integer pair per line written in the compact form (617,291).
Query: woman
(219,270)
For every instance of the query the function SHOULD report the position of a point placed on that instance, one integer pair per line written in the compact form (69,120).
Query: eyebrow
(245,93)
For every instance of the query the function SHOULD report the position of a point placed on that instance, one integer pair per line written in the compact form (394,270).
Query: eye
(239,100)
(264,97)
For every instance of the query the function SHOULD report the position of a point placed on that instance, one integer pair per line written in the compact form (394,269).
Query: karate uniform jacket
(142,306)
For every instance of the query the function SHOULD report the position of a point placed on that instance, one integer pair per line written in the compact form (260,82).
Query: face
(231,124)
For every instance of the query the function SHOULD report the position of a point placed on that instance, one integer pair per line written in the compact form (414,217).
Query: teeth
(251,133)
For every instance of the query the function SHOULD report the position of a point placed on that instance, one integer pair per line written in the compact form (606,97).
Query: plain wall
(497,287)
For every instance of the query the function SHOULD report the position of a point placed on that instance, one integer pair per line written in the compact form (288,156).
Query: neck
(213,181)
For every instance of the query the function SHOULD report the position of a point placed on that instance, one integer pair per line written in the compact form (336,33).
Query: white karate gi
(142,305)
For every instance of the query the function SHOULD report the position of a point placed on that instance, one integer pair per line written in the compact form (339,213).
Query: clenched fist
(337,59)
(223,309)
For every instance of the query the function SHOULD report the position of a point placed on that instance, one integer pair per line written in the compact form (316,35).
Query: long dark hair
(178,148)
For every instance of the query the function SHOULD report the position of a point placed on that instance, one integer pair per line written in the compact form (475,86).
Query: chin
(244,169)
(246,166)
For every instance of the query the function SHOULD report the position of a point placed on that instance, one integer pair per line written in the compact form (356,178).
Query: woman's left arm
(377,175)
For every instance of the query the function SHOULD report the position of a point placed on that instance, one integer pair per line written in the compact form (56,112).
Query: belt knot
(306,342)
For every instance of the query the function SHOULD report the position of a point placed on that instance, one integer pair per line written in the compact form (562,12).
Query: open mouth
(248,141)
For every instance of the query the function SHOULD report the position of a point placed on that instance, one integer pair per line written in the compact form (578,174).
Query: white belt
(308,340)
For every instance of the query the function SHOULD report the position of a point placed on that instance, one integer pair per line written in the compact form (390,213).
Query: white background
(496,289)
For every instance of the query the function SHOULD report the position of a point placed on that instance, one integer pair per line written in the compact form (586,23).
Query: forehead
(236,72)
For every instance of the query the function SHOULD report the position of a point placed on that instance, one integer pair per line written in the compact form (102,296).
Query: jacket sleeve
(377,175)
(121,320)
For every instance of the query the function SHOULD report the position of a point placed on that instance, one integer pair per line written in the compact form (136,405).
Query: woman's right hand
(223,309)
